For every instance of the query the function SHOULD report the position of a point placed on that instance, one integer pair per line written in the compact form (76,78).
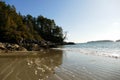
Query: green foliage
(49,30)
(15,27)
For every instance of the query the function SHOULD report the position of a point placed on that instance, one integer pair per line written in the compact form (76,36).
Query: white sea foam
(98,52)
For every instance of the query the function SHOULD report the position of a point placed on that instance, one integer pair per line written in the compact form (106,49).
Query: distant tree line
(15,27)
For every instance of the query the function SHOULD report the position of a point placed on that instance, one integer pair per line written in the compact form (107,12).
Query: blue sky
(84,20)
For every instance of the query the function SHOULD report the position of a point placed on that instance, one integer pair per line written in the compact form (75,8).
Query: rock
(15,46)
(2,46)
(12,47)
(35,47)
(22,49)
(68,43)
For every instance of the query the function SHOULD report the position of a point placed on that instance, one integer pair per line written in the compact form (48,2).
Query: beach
(58,65)
(60,40)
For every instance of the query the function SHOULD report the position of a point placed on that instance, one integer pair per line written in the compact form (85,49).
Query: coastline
(10,47)
(23,47)
(58,65)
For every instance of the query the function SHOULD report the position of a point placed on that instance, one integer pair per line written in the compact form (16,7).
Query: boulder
(12,47)
(21,49)
(2,46)
(33,47)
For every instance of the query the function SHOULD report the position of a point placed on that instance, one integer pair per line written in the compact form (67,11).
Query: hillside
(17,28)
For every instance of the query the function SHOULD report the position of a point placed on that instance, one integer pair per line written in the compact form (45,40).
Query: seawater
(69,63)
(108,49)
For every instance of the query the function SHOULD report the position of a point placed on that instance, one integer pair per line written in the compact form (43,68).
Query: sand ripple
(58,65)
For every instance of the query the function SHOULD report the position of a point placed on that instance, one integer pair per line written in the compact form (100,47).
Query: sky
(83,20)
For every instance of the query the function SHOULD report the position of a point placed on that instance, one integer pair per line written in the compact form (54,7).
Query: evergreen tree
(15,27)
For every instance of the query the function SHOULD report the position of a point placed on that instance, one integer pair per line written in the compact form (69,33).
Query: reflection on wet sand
(36,67)
(58,65)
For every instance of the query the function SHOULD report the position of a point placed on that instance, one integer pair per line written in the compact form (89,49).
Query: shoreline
(8,47)
(12,47)
(57,64)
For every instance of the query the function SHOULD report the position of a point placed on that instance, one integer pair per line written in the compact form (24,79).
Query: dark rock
(11,47)
(35,47)
(69,43)
(21,49)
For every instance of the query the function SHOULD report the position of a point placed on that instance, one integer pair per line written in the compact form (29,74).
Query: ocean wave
(98,52)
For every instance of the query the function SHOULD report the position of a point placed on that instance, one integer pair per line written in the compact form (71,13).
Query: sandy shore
(57,65)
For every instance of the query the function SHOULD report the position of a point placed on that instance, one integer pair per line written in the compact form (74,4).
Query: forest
(16,28)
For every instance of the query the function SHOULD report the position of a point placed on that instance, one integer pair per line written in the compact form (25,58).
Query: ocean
(83,61)
(107,49)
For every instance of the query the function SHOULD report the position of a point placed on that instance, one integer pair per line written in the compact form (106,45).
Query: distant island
(117,40)
(100,41)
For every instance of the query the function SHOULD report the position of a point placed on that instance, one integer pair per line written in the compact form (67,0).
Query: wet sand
(57,65)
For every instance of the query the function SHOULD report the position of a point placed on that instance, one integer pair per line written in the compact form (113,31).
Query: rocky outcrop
(33,47)
(68,43)
(2,46)
(11,47)
(28,45)
(22,49)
